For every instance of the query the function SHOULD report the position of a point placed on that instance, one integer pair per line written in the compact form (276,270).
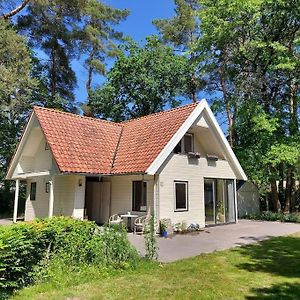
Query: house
(176,163)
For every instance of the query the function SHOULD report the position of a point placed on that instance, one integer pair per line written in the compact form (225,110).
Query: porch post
(16,201)
(235,201)
(51,197)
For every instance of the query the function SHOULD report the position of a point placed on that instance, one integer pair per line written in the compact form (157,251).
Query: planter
(164,233)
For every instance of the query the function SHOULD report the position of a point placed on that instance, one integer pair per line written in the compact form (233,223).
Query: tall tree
(252,49)
(98,37)
(16,86)
(142,81)
(182,31)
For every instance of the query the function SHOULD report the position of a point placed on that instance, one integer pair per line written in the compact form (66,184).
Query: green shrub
(31,251)
(275,216)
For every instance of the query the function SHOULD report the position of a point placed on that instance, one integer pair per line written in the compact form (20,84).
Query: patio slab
(6,221)
(215,238)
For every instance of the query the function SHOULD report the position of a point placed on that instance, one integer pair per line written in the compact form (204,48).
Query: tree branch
(15,11)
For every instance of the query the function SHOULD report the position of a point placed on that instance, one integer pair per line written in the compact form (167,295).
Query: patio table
(129,216)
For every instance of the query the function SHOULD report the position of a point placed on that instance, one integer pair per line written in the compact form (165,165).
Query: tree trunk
(53,73)
(288,190)
(274,192)
(90,71)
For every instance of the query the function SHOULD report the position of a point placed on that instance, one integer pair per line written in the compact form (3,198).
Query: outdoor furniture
(139,224)
(115,220)
(129,216)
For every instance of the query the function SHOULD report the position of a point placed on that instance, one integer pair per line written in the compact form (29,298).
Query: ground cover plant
(267,270)
(40,250)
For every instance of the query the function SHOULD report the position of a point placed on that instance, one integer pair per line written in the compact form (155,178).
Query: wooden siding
(179,167)
(68,197)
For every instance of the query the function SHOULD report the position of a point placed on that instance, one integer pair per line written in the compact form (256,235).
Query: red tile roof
(87,145)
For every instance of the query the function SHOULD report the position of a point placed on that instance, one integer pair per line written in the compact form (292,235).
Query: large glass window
(33,191)
(181,195)
(219,201)
(139,196)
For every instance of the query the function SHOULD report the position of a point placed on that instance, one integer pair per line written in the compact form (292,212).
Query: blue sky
(138,25)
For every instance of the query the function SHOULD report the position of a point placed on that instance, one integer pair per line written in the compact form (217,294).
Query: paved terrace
(215,238)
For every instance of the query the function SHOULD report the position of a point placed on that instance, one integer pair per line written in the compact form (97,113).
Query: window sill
(181,210)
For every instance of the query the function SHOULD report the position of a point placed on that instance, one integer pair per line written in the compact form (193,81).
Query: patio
(215,238)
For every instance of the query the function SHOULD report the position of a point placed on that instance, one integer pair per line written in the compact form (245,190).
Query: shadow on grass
(286,291)
(280,256)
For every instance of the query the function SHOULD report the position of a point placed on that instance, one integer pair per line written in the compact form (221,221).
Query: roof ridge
(78,116)
(162,112)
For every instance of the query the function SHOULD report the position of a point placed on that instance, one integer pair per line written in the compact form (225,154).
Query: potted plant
(163,228)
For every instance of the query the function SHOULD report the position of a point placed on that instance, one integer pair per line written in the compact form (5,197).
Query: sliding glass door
(219,201)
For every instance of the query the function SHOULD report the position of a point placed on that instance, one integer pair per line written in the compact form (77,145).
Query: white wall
(68,197)
(121,193)
(180,167)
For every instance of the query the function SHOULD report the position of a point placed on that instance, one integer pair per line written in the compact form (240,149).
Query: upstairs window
(186,144)
(139,196)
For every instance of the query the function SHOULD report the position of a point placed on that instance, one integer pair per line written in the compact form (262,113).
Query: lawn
(268,270)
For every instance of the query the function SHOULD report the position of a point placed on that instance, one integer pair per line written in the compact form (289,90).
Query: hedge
(28,248)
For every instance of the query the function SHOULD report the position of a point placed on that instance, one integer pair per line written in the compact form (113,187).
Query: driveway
(215,238)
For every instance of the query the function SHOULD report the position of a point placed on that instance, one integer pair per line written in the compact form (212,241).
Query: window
(181,195)
(188,143)
(185,145)
(139,196)
(33,191)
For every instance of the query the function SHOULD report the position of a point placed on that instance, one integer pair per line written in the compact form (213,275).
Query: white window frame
(144,193)
(186,195)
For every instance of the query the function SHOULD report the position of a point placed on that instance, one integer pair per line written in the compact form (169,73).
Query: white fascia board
(163,155)
(230,154)
(20,146)
(33,174)
(202,106)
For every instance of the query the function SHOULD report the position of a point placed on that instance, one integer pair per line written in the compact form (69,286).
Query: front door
(219,201)
(98,201)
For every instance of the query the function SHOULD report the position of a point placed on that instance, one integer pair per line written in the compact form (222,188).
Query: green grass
(268,270)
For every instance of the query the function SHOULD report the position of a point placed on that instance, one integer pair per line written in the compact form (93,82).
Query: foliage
(275,216)
(97,36)
(251,65)
(16,87)
(144,81)
(163,225)
(32,251)
(150,240)
(266,270)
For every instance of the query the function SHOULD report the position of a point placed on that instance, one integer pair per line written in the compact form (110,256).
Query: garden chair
(139,224)
(115,220)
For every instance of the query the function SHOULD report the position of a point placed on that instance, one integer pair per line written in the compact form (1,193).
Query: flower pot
(164,233)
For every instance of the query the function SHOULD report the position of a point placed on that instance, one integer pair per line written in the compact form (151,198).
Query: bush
(275,216)
(29,250)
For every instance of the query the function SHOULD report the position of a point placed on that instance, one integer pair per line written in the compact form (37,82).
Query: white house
(176,163)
